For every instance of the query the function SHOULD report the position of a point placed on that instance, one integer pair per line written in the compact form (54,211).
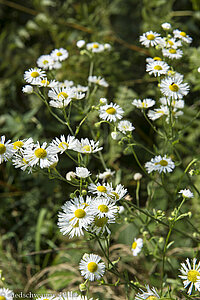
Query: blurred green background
(33,254)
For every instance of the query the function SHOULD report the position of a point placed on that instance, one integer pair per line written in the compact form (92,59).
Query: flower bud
(137,176)
(70,175)
(82,287)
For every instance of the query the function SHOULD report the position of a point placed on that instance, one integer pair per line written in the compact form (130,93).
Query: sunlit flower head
(103,207)
(61,95)
(27,89)
(45,62)
(143,104)
(106,175)
(160,164)
(60,145)
(111,112)
(157,68)
(166,26)
(150,39)
(82,172)
(182,36)
(158,112)
(137,246)
(98,80)
(99,189)
(87,146)
(186,193)
(117,193)
(95,47)
(190,275)
(91,267)
(80,43)
(172,53)
(173,88)
(34,75)
(19,161)
(125,126)
(59,54)
(179,104)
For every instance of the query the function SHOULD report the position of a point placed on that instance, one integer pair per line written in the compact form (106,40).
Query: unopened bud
(84,192)
(70,175)
(115,135)
(82,287)
(137,176)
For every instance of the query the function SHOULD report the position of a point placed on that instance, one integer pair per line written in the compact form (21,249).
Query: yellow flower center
(111,111)
(134,245)
(174,87)
(163,163)
(2,298)
(63,145)
(182,33)
(152,298)
(35,74)
(172,51)
(40,153)
(157,58)
(87,148)
(170,73)
(2,148)
(103,208)
(158,68)
(115,195)
(171,43)
(150,37)
(92,267)
(17,144)
(45,62)
(100,222)
(95,46)
(101,189)
(80,213)
(192,275)
(62,95)
(45,82)
(59,54)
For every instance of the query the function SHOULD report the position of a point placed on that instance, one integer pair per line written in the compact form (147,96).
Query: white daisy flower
(45,62)
(81,88)
(60,145)
(27,89)
(76,216)
(99,189)
(111,112)
(80,43)
(172,43)
(137,246)
(95,47)
(157,68)
(59,104)
(174,88)
(100,225)
(19,162)
(166,26)
(87,146)
(107,46)
(172,53)
(82,172)
(115,135)
(145,103)
(61,94)
(160,164)
(6,294)
(150,59)
(34,75)
(150,294)
(46,83)
(158,113)
(190,275)
(182,35)
(98,80)
(59,54)
(186,193)
(150,38)
(102,207)
(125,126)
(23,144)
(40,156)
(91,267)
(103,101)
(116,194)
(179,104)
(6,149)
(106,175)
